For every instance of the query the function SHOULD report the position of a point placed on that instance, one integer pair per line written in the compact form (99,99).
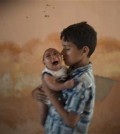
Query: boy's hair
(81,34)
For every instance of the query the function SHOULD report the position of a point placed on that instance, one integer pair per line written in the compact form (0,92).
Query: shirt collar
(74,72)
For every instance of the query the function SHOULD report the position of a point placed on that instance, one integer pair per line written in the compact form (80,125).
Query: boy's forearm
(59,106)
(69,118)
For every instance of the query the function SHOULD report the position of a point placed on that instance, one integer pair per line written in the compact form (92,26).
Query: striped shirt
(79,99)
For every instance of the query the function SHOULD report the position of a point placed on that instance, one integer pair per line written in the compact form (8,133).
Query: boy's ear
(86,49)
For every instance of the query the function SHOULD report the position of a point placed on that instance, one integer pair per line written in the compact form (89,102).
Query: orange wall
(26,30)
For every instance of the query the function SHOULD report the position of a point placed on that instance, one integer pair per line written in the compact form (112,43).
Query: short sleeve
(77,99)
(46,73)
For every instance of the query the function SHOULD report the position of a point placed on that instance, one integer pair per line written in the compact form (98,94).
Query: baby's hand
(69,83)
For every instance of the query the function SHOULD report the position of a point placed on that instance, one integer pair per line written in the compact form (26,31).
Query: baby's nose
(53,56)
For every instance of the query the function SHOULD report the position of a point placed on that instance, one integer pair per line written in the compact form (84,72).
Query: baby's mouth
(55,63)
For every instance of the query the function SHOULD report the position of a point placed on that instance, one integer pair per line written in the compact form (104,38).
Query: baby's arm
(55,85)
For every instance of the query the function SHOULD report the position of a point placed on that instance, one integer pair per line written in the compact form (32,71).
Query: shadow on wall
(106,119)
(103,87)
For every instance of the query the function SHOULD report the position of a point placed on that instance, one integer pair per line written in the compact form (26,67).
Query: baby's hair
(49,49)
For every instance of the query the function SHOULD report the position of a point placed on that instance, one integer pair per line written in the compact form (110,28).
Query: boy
(79,42)
(55,75)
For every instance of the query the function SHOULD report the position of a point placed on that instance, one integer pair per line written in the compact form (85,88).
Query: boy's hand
(39,95)
(69,83)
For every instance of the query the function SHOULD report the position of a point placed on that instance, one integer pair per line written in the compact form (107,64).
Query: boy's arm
(39,95)
(35,92)
(69,118)
(57,86)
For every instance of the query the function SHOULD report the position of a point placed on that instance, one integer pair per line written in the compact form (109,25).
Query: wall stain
(20,70)
(105,60)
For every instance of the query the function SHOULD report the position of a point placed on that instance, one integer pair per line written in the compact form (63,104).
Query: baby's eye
(55,53)
(67,49)
(47,56)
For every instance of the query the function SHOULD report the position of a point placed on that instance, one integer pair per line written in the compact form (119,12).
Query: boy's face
(72,55)
(52,59)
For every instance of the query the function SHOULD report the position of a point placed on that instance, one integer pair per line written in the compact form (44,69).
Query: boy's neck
(80,64)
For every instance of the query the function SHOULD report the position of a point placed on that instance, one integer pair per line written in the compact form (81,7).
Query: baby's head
(52,59)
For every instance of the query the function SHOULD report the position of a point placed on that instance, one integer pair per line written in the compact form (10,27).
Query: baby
(55,77)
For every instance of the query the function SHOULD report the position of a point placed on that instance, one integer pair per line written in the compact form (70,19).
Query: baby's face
(52,59)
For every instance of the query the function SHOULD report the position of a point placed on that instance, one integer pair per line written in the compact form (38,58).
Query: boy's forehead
(66,43)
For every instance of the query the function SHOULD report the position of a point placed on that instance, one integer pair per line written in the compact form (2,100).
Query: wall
(27,28)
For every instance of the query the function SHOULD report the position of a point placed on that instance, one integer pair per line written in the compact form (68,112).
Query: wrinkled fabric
(79,99)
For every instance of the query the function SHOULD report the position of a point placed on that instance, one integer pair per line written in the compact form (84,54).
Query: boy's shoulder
(87,79)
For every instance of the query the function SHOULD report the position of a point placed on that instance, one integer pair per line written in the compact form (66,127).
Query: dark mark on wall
(48,5)
(27,17)
(47,16)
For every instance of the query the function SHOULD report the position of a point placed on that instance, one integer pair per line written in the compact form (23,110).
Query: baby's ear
(43,62)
